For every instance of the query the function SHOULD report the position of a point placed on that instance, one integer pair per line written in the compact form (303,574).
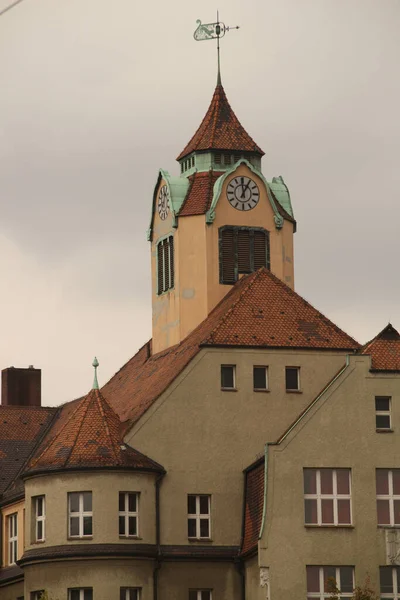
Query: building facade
(248,451)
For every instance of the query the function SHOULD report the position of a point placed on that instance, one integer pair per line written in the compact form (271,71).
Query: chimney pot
(21,387)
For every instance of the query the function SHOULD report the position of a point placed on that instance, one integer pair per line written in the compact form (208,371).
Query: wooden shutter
(260,250)
(160,265)
(227,257)
(243,251)
(166,264)
(171,262)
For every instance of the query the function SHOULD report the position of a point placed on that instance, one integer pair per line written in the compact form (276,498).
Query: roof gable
(220,129)
(384,350)
(200,194)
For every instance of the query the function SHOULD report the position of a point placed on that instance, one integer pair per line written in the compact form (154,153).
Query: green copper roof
(281,192)
(177,189)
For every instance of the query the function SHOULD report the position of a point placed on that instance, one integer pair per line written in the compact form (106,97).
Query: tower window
(227,159)
(165,265)
(242,250)
(218,159)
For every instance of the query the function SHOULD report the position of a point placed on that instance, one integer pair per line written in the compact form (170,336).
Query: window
(390,582)
(260,378)
(40,518)
(321,582)
(227,159)
(165,264)
(241,250)
(128,514)
(80,515)
(228,377)
(218,159)
(200,595)
(129,593)
(37,595)
(292,378)
(382,410)
(12,538)
(236,157)
(327,496)
(388,496)
(80,594)
(199,517)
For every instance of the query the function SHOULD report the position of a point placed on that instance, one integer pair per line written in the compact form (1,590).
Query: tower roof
(220,130)
(88,436)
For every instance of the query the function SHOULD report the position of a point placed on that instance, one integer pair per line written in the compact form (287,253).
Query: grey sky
(96,96)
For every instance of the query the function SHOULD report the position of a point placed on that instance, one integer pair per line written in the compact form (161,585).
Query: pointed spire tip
(95,364)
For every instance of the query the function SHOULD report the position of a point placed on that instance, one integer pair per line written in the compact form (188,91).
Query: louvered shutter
(166,264)
(243,251)
(227,257)
(160,267)
(260,250)
(171,262)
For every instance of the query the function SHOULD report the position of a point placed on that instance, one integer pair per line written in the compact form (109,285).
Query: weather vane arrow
(212,31)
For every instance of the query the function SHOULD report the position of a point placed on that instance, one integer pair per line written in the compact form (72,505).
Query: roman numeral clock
(242,193)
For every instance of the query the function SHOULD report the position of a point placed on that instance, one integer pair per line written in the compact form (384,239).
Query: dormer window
(242,250)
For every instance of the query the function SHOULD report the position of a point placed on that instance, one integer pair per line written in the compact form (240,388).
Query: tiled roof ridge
(22,407)
(100,398)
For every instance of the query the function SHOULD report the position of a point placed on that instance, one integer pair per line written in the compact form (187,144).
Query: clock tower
(219,220)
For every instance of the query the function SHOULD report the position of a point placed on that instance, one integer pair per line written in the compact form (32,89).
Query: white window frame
(127,513)
(385,413)
(128,591)
(80,514)
(40,518)
(201,517)
(391,497)
(266,378)
(12,527)
(334,496)
(36,595)
(81,592)
(200,593)
(395,595)
(233,367)
(298,379)
(322,595)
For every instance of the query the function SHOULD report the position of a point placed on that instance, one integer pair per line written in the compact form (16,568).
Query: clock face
(163,203)
(243,193)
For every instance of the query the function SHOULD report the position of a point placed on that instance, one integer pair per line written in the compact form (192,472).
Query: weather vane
(212,31)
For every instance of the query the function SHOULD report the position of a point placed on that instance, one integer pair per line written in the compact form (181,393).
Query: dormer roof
(384,350)
(220,130)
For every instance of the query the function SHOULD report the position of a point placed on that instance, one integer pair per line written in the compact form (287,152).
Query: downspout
(157,565)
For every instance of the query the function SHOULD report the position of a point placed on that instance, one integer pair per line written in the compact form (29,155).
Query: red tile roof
(88,435)
(20,429)
(254,504)
(259,311)
(384,350)
(200,193)
(220,130)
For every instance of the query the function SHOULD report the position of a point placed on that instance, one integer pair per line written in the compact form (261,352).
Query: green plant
(364,592)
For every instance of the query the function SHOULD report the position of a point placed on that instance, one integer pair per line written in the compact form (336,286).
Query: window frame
(233,388)
(293,390)
(81,592)
(39,518)
(335,497)
(36,595)
(391,497)
(266,388)
(394,595)
(165,256)
(125,593)
(199,593)
(12,538)
(127,514)
(198,516)
(383,413)
(236,272)
(322,595)
(80,514)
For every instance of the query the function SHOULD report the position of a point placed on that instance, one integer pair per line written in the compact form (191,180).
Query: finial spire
(212,31)
(95,364)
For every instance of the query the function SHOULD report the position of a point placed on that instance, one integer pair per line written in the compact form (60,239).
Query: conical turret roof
(221,130)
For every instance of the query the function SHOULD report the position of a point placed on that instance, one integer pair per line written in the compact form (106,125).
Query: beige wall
(175,579)
(338,432)
(105,576)
(204,437)
(253,589)
(12,591)
(105,487)
(6,511)
(196,248)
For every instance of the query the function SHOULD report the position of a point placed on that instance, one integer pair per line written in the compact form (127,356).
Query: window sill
(341,526)
(77,538)
(294,391)
(229,389)
(130,537)
(200,540)
(384,430)
(38,542)
(262,390)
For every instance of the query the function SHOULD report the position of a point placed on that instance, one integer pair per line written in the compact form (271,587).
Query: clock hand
(244,188)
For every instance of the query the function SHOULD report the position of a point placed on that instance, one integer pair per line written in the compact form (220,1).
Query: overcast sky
(96,96)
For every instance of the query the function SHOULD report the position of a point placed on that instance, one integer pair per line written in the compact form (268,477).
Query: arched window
(242,250)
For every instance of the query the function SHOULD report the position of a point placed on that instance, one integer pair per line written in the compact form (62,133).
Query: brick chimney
(21,387)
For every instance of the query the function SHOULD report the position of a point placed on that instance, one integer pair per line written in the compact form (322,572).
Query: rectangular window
(128,514)
(37,595)
(200,595)
(382,412)
(227,159)
(12,538)
(228,377)
(321,582)
(165,265)
(292,378)
(39,508)
(80,594)
(80,515)
(327,496)
(127,593)
(242,250)
(217,159)
(388,496)
(389,582)
(199,517)
(260,378)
